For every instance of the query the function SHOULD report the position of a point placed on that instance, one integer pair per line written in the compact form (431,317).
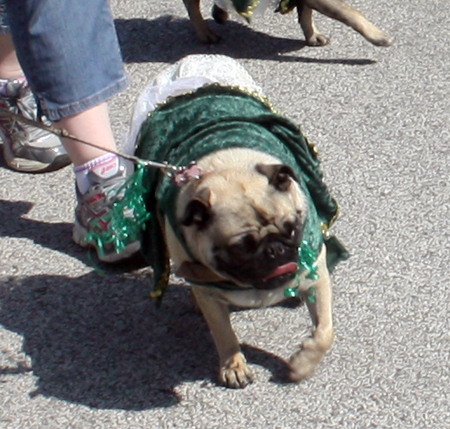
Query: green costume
(188,127)
(246,8)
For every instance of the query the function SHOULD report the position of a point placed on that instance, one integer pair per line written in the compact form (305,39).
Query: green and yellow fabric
(188,127)
(246,8)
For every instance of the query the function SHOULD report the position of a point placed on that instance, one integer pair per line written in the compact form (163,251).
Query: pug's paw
(235,372)
(303,363)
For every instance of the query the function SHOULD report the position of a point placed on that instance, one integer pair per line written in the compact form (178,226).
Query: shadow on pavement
(98,340)
(54,236)
(166,40)
(101,342)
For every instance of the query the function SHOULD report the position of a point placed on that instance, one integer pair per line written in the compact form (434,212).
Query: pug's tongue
(289,268)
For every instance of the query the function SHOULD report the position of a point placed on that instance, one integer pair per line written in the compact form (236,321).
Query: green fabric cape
(188,127)
(245,8)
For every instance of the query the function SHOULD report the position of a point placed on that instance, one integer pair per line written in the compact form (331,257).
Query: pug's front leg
(303,363)
(234,371)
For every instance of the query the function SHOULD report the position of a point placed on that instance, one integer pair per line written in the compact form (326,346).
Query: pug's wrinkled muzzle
(269,265)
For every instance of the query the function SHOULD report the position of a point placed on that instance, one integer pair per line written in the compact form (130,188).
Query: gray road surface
(81,345)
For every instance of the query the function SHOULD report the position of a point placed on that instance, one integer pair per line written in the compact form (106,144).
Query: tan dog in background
(335,9)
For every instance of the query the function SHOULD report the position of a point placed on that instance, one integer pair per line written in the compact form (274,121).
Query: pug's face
(245,224)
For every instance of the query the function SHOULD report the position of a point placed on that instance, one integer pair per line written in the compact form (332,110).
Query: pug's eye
(197,213)
(279,175)
(282,180)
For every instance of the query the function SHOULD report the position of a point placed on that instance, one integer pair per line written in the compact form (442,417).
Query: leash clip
(183,174)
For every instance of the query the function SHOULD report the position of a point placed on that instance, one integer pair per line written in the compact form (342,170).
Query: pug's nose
(275,249)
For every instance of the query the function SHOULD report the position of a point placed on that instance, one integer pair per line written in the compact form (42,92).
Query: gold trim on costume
(250,10)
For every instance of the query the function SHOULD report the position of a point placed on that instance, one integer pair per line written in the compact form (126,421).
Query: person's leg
(9,64)
(71,57)
(25,149)
(92,125)
(69,52)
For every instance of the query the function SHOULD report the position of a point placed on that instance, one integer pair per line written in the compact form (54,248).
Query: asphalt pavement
(82,345)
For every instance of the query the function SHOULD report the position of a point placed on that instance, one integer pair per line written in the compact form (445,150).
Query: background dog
(335,9)
(247,228)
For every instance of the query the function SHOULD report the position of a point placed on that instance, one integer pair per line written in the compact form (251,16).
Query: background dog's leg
(204,33)
(234,371)
(219,15)
(305,19)
(341,11)
(304,362)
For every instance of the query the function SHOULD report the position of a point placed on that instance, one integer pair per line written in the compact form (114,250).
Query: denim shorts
(4,26)
(70,53)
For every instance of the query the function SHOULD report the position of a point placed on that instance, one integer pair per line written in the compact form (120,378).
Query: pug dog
(246,225)
(243,221)
(335,9)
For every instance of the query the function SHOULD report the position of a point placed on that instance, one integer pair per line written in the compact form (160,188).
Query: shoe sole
(32,166)
(79,233)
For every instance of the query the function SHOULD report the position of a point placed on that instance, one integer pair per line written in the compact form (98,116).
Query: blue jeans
(4,25)
(69,52)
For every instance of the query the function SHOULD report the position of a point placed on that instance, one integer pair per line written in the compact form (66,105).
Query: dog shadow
(101,341)
(98,339)
(167,40)
(54,236)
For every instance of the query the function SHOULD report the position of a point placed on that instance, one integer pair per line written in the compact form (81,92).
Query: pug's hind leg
(303,363)
(234,371)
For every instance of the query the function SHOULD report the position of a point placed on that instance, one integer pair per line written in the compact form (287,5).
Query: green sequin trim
(291,292)
(311,295)
(307,260)
(126,219)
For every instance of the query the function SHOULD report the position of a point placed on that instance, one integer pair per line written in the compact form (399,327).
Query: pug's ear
(279,175)
(198,211)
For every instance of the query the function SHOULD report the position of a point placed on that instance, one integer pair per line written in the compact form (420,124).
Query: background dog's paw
(318,39)
(206,35)
(303,363)
(381,39)
(374,35)
(236,373)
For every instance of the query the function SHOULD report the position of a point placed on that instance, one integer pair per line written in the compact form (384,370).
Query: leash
(250,116)
(179,174)
(123,228)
